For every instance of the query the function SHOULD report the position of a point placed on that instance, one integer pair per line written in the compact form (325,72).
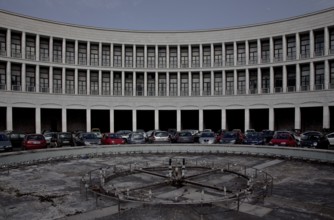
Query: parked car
(254,138)
(268,135)
(48,136)
(314,139)
(136,138)
(62,139)
(111,139)
(5,144)
(207,138)
(330,138)
(86,139)
(231,137)
(33,141)
(283,138)
(159,137)
(183,137)
(124,133)
(97,132)
(16,139)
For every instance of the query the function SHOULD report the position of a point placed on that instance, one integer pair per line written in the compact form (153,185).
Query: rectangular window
(331,41)
(69,82)
(140,84)
(3,43)
(229,55)
(184,57)
(162,84)
(30,79)
(105,55)
(16,45)
(44,49)
(278,50)
(265,51)
(173,57)
(94,83)
(265,80)
(319,43)
(291,78)
(3,76)
(57,79)
(218,56)
(151,84)
(82,54)
(172,84)
(94,54)
(184,84)
(162,57)
(319,76)
(117,84)
(331,74)
(140,57)
(253,53)
(305,77)
(229,83)
(218,83)
(241,54)
(129,57)
(206,84)
(241,82)
(16,77)
(70,58)
(278,79)
(253,81)
(291,48)
(117,56)
(57,51)
(150,57)
(82,82)
(304,46)
(195,87)
(206,56)
(128,84)
(30,48)
(105,83)
(44,79)
(195,57)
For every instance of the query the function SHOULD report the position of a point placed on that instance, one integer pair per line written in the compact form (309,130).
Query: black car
(254,138)
(87,139)
(62,139)
(314,139)
(231,137)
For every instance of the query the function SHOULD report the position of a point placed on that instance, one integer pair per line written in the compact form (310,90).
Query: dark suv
(314,139)
(62,139)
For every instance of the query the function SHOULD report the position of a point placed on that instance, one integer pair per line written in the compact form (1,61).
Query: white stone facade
(286,64)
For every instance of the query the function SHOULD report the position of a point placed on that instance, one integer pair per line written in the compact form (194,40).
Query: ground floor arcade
(30,120)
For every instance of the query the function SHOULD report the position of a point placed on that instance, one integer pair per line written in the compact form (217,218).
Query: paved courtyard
(302,190)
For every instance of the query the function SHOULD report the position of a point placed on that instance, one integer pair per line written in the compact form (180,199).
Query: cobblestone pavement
(302,190)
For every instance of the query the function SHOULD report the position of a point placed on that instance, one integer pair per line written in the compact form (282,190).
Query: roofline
(168,31)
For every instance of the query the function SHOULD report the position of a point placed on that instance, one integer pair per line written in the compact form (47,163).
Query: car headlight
(315,144)
(87,143)
(232,142)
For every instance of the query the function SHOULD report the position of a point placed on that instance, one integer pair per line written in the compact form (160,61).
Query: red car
(283,138)
(34,141)
(111,139)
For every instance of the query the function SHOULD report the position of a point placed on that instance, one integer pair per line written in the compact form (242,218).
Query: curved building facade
(276,75)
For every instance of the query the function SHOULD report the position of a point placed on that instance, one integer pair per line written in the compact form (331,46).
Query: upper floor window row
(258,51)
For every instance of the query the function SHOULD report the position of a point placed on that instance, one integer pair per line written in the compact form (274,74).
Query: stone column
(297,118)
(247,119)
(178,119)
(326,117)
(38,120)
(63,120)
(271,119)
(156,119)
(88,120)
(134,120)
(200,119)
(111,121)
(223,119)
(9,117)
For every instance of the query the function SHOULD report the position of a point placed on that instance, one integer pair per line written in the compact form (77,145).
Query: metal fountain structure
(180,182)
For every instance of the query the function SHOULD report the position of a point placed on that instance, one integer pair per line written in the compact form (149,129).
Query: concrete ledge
(101,150)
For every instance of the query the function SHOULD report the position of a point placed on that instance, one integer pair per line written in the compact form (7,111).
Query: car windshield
(89,136)
(310,137)
(65,135)
(3,137)
(281,136)
(207,134)
(35,137)
(230,135)
(253,135)
(137,136)
(114,136)
(184,134)
(161,134)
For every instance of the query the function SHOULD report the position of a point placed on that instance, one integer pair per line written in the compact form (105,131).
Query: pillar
(247,119)
(223,118)
(271,119)
(297,118)
(326,117)
(88,120)
(156,119)
(178,120)
(38,120)
(200,119)
(111,122)
(63,120)
(134,120)
(9,118)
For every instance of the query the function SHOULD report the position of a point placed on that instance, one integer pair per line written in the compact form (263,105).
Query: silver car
(207,138)
(5,144)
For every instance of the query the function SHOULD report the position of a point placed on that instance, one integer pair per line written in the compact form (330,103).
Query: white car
(330,138)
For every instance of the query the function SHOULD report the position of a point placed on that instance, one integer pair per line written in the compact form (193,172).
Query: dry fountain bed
(302,190)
